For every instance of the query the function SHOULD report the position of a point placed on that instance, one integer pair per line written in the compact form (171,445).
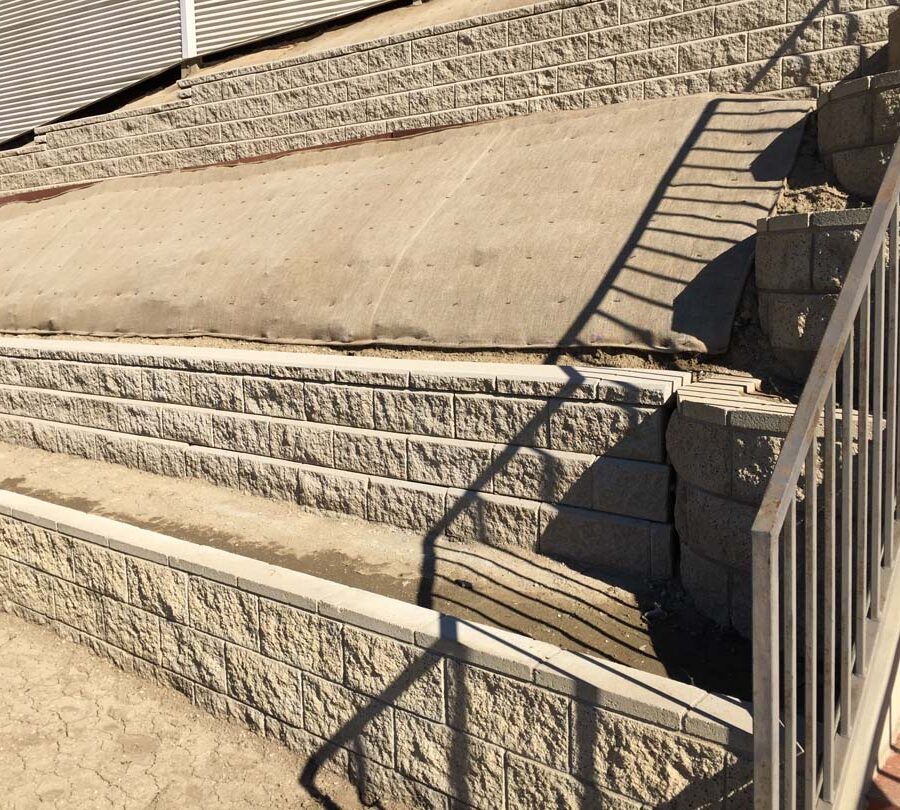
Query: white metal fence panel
(59,55)
(225,23)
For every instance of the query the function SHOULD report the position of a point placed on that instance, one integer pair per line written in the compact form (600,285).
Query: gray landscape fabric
(625,226)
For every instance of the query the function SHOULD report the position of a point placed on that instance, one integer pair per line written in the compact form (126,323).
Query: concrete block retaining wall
(418,708)
(801,263)
(569,462)
(563,54)
(859,123)
(723,442)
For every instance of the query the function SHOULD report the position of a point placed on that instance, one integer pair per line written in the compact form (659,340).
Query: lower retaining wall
(801,263)
(418,709)
(566,461)
(723,442)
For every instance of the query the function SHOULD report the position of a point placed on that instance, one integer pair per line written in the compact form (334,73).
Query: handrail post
(765,672)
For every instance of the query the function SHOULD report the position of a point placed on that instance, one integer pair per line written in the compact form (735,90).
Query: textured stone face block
(226,612)
(333,492)
(412,506)
(78,607)
(451,761)
(700,452)
(529,785)
(158,589)
(410,412)
(303,443)
(301,639)
(194,655)
(42,549)
(497,420)
(617,543)
(545,476)
(269,479)
(349,719)
(376,664)
(783,261)
(492,519)
(98,569)
(466,465)
(370,452)
(31,588)
(608,430)
(339,405)
(133,630)
(636,759)
(503,711)
(241,433)
(266,685)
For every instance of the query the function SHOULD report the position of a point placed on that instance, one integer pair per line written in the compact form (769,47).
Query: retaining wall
(723,442)
(562,54)
(801,263)
(566,461)
(418,709)
(859,123)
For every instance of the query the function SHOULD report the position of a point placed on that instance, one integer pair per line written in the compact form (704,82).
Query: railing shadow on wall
(665,227)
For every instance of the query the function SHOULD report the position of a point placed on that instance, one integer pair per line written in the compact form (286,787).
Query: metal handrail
(777,623)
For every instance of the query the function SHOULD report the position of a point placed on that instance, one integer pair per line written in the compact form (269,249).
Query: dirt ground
(634,623)
(811,187)
(77,733)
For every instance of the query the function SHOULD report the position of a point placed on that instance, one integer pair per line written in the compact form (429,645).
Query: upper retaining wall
(418,709)
(723,442)
(859,123)
(801,263)
(563,54)
(566,461)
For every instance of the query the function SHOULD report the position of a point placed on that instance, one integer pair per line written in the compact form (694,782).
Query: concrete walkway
(75,732)
(512,589)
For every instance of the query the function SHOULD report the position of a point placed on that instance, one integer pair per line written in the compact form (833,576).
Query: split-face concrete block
(502,711)
(301,639)
(268,686)
(376,664)
(226,612)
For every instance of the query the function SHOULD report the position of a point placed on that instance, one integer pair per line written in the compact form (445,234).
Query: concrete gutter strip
(661,701)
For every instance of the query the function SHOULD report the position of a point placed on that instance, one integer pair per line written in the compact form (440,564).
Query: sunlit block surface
(629,225)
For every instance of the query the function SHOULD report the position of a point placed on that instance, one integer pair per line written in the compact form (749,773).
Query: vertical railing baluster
(889,490)
(810,634)
(877,440)
(789,646)
(829,645)
(766,720)
(862,485)
(846,535)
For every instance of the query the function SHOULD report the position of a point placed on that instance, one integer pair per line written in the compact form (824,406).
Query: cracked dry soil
(75,732)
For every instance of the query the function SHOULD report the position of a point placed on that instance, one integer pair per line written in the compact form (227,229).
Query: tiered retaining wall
(859,123)
(569,462)
(562,54)
(723,442)
(418,709)
(801,263)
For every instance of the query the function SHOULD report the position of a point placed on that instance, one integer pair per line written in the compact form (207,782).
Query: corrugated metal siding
(224,23)
(58,55)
